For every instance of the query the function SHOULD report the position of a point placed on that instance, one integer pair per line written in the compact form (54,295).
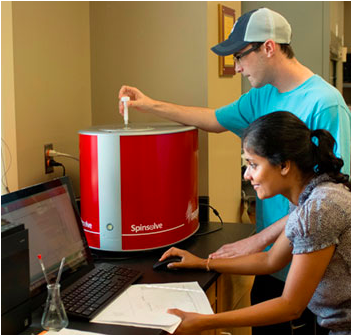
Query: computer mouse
(162,265)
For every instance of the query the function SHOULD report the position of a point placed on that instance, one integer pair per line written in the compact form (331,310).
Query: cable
(218,215)
(53,153)
(4,175)
(55,163)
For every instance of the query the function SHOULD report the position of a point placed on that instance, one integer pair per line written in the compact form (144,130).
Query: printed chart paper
(146,305)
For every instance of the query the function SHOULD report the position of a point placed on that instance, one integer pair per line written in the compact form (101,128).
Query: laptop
(49,212)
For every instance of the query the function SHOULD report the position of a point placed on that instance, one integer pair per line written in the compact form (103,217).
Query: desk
(143,261)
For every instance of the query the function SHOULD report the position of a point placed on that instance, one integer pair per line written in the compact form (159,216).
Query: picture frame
(226,22)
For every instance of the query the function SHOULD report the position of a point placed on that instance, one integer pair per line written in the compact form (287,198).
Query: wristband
(207,265)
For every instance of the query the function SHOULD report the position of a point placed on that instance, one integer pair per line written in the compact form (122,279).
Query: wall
(51,76)
(9,166)
(347,25)
(158,47)
(225,148)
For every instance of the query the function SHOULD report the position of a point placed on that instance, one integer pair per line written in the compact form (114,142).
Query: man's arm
(200,117)
(252,244)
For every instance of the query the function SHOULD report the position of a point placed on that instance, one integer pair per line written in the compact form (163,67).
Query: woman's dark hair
(281,137)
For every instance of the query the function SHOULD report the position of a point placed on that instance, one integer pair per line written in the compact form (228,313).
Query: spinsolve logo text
(140,228)
(86,224)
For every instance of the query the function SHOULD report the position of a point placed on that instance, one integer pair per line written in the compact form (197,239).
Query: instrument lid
(137,129)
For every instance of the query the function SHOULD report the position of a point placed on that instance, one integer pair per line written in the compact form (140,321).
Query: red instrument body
(139,186)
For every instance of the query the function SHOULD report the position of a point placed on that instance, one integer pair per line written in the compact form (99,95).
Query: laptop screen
(49,212)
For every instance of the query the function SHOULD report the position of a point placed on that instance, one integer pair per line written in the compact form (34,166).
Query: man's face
(252,65)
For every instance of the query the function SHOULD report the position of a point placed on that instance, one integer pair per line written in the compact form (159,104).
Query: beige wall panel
(52,83)
(225,148)
(9,171)
(347,25)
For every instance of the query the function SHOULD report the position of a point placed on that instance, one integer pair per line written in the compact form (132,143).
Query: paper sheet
(146,305)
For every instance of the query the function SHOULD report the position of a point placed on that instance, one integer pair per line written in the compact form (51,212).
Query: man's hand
(138,100)
(256,243)
(246,246)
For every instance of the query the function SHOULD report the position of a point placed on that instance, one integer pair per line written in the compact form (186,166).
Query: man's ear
(285,168)
(269,47)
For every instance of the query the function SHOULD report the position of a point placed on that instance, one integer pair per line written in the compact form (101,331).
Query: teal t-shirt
(317,103)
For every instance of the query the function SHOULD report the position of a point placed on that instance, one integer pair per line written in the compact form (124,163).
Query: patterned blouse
(321,219)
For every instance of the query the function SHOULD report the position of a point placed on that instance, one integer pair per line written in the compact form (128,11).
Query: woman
(285,157)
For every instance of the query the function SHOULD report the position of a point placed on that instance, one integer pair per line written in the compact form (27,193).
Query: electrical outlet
(48,169)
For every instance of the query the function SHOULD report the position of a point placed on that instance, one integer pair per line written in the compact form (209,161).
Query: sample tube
(125,109)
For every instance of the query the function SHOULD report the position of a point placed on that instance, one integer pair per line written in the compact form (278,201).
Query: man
(260,42)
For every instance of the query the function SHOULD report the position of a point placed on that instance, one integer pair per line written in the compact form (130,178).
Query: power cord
(5,169)
(53,153)
(52,162)
(217,214)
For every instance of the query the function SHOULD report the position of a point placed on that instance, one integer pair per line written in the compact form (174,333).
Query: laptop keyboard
(89,295)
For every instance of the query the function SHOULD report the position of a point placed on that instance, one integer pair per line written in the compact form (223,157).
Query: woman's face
(265,178)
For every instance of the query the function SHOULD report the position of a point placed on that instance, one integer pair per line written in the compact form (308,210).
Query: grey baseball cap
(257,25)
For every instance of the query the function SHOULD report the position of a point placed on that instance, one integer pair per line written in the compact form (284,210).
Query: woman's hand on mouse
(188,260)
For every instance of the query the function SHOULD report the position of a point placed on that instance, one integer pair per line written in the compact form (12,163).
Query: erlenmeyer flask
(54,316)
